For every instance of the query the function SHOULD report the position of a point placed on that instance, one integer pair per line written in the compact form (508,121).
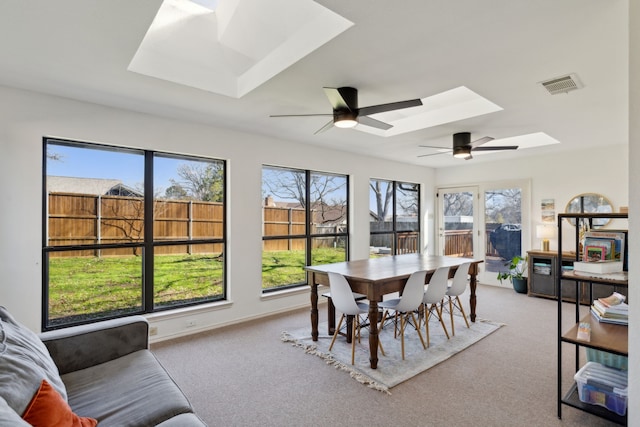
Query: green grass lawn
(85,286)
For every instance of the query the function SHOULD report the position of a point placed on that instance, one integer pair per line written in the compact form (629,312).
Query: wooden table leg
(331,317)
(373,334)
(472,297)
(349,331)
(314,308)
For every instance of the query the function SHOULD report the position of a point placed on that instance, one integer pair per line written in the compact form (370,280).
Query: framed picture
(548,210)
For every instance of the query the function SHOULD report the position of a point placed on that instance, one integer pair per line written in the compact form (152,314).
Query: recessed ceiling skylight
(446,107)
(531,140)
(231,47)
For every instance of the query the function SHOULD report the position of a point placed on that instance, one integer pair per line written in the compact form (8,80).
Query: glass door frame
(479,228)
(440,223)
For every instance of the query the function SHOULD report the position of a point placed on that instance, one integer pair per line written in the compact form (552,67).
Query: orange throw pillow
(48,409)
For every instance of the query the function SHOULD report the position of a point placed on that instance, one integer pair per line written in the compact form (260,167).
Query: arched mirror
(590,203)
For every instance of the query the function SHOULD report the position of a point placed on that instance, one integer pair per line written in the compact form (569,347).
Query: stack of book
(611,309)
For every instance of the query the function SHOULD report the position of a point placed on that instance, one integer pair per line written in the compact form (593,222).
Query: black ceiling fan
(346,113)
(462,146)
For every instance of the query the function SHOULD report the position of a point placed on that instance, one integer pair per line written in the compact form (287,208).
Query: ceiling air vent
(562,84)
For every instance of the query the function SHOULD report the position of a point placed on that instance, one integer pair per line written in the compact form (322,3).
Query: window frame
(147,245)
(308,235)
(395,232)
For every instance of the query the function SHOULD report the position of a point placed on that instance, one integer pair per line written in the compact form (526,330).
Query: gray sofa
(104,370)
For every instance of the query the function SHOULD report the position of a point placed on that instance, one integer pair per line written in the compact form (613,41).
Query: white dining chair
(432,299)
(345,302)
(457,286)
(404,306)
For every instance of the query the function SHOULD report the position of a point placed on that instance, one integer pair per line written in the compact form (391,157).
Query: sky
(127,167)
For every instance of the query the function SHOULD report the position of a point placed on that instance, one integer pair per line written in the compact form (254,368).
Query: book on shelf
(615,298)
(614,321)
(595,253)
(612,244)
(598,266)
(611,309)
(621,311)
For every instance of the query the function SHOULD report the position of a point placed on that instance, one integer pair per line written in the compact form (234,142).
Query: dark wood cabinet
(543,280)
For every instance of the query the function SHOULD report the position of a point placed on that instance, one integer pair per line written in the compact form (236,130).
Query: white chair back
(437,288)
(412,292)
(459,281)
(342,296)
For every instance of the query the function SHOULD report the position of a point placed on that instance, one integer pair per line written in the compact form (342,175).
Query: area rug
(392,370)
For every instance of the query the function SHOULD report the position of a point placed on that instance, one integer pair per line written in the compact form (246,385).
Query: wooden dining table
(376,277)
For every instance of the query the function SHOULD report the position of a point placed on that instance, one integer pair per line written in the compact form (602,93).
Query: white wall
(25,117)
(558,177)
(634,220)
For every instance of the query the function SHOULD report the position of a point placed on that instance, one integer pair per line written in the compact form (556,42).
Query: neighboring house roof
(97,186)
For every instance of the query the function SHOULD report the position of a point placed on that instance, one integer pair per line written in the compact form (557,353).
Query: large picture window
(129,231)
(394,217)
(304,222)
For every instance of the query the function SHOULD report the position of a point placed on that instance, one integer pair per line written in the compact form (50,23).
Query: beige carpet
(392,370)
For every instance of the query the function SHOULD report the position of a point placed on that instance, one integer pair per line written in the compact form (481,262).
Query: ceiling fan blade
(481,141)
(324,128)
(503,148)
(433,146)
(368,121)
(381,108)
(299,115)
(433,154)
(342,98)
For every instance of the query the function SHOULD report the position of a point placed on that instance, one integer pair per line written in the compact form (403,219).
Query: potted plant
(517,267)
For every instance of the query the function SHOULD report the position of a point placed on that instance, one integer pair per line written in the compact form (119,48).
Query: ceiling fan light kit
(462,153)
(345,120)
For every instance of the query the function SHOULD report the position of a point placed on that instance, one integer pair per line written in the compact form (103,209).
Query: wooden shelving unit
(605,337)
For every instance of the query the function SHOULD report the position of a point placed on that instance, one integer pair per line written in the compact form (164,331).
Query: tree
(199,181)
(326,192)
(383,191)
(458,204)
(504,206)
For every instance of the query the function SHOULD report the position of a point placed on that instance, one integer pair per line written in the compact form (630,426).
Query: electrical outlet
(191,323)
(153,330)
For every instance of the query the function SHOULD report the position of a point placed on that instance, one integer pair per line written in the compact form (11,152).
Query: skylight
(231,47)
(446,107)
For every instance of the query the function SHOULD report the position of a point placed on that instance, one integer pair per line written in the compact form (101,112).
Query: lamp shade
(544,231)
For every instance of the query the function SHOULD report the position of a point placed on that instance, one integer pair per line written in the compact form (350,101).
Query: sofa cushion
(48,408)
(133,390)
(24,362)
(9,417)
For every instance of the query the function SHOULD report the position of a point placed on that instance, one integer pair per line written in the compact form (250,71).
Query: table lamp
(545,232)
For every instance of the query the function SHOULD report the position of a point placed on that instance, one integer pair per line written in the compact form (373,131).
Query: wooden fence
(278,221)
(85,219)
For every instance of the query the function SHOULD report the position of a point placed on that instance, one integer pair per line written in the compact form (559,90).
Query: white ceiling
(499,49)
